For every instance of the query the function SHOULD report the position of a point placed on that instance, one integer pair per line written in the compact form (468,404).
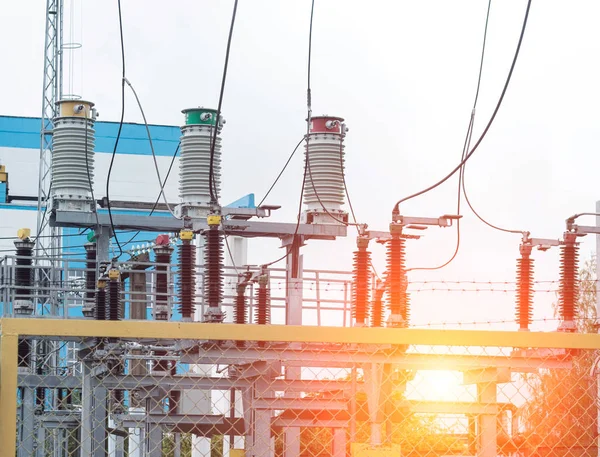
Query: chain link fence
(190,390)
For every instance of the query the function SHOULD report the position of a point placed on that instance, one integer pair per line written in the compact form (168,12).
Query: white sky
(403,75)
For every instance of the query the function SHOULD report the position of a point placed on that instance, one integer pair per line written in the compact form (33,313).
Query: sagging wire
(396,209)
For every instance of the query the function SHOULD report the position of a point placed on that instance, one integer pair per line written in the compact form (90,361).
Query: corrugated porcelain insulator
(213,267)
(569,282)
(73,139)
(161,365)
(194,162)
(187,279)
(263,304)
(324,162)
(90,279)
(524,291)
(360,286)
(100,305)
(398,296)
(163,260)
(115,312)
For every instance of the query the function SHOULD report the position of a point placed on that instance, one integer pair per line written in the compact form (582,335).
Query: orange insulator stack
(569,281)
(361,282)
(524,287)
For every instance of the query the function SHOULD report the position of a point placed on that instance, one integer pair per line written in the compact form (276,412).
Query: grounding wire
(211,184)
(281,172)
(160,181)
(485,130)
(114,153)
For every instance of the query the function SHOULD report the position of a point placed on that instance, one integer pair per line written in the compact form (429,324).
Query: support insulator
(174,395)
(161,365)
(569,282)
(162,311)
(72,163)
(213,268)
(524,288)
(194,165)
(397,284)
(263,302)
(324,162)
(187,277)
(23,277)
(100,313)
(377,306)
(240,311)
(361,282)
(115,312)
(90,279)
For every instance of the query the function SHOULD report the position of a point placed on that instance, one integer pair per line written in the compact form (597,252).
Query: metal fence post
(8,392)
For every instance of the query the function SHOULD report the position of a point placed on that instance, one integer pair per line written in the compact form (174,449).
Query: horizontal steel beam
(305,404)
(297,333)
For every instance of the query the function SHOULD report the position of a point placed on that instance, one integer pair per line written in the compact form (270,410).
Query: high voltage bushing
(240,310)
(324,162)
(569,281)
(90,279)
(194,162)
(162,258)
(397,284)
(187,275)
(23,304)
(73,164)
(213,270)
(377,306)
(524,287)
(361,282)
(115,311)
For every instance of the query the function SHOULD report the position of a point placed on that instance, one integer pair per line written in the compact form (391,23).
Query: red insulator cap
(162,240)
(326,124)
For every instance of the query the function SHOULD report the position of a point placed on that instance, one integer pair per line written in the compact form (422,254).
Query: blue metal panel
(2,192)
(24,132)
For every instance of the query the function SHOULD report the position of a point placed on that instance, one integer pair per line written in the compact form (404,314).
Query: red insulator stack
(213,270)
(115,312)
(524,287)
(361,282)
(569,282)
(100,306)
(397,284)
(240,309)
(377,306)
(187,277)
(263,304)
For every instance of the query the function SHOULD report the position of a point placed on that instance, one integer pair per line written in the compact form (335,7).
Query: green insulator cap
(91,237)
(200,116)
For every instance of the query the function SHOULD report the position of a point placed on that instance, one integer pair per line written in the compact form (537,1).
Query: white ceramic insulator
(194,165)
(325,175)
(70,180)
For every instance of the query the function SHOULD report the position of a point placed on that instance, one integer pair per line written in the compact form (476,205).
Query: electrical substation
(181,346)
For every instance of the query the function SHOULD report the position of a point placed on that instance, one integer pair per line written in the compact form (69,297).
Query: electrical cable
(486,129)
(211,184)
(280,173)
(466,146)
(160,182)
(114,153)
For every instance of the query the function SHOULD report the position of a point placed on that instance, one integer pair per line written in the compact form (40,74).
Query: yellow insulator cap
(186,235)
(113,274)
(101,284)
(23,233)
(213,219)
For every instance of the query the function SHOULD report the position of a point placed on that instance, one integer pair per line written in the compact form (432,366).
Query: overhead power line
(487,127)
